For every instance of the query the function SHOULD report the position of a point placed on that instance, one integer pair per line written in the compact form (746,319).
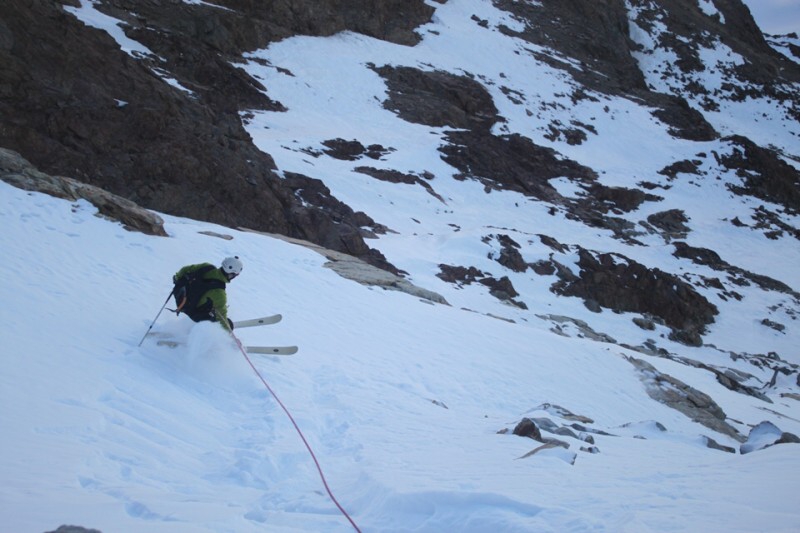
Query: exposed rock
(394,176)
(353,150)
(326,223)
(563,412)
(106,118)
(559,449)
(688,337)
(544,268)
(765,175)
(223,236)
(766,73)
(619,199)
(527,428)
(584,330)
(356,269)
(533,428)
(685,122)
(554,244)
(680,167)
(511,162)
(20,173)
(592,305)
(459,275)
(774,325)
(74,529)
(585,429)
(597,36)
(624,285)
(594,34)
(571,136)
(509,253)
(566,432)
(439,404)
(772,224)
(437,98)
(674,393)
(711,443)
(672,223)
(704,256)
(502,288)
(764,435)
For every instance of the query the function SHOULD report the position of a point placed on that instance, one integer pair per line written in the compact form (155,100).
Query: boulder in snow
(764,435)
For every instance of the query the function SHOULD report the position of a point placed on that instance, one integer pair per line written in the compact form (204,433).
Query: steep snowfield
(401,401)
(408,406)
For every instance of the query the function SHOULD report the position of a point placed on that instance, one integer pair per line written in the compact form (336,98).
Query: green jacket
(217,296)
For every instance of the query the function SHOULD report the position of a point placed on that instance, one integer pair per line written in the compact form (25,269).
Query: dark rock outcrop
(74,529)
(622,284)
(511,162)
(764,174)
(106,118)
(438,98)
(672,223)
(704,256)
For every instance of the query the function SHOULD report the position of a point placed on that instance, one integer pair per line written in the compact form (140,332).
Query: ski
(272,350)
(264,350)
(263,321)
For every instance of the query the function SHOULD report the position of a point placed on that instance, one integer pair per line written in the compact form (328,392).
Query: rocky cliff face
(73,103)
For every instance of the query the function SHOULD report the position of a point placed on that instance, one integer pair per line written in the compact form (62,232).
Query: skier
(200,290)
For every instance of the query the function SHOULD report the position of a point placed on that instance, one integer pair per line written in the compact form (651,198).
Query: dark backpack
(190,288)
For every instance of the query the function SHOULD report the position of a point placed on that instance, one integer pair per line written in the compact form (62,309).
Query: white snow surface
(408,406)
(401,401)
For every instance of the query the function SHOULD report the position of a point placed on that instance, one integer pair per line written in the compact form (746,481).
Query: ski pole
(156,318)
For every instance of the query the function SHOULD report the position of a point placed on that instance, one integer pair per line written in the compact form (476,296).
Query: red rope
(296,427)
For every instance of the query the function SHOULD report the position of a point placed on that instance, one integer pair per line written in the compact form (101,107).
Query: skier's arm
(220,302)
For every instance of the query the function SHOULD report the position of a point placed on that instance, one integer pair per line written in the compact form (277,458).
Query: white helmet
(232,265)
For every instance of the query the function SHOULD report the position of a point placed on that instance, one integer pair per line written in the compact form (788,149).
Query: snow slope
(401,401)
(408,406)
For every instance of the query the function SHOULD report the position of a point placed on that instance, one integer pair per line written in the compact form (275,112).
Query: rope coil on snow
(299,432)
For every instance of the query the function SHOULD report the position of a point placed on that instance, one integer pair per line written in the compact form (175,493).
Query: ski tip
(270,320)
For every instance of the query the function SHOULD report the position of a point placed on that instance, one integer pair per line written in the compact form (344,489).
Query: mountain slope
(688,213)
(409,406)
(605,195)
